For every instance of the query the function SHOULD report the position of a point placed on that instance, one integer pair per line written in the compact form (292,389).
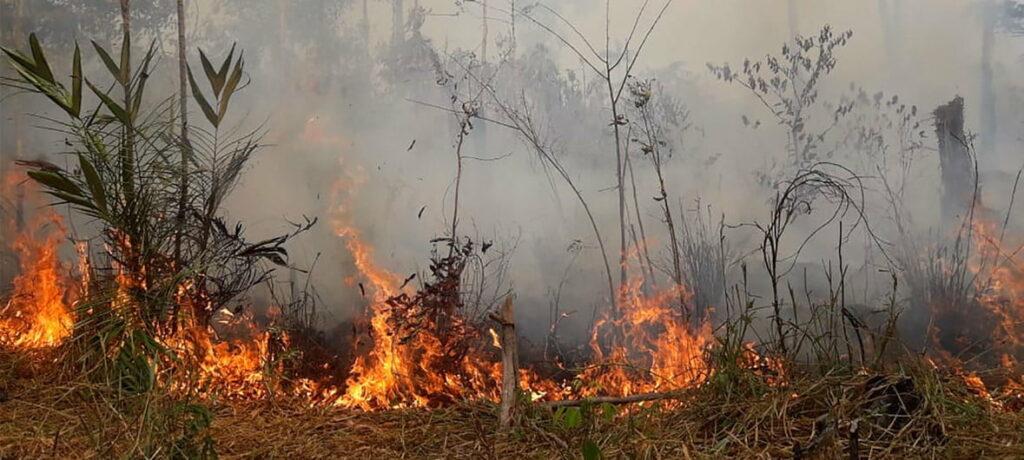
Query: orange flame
(654,347)
(651,346)
(1001,290)
(37,314)
(399,371)
(990,325)
(404,371)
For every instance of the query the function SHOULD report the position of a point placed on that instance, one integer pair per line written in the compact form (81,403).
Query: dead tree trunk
(955,163)
(509,363)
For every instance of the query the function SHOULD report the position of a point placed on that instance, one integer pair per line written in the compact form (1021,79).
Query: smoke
(352,120)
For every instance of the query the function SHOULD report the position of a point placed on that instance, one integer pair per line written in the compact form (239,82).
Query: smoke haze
(356,127)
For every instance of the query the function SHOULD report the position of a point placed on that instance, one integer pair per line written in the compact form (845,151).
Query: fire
(415,371)
(403,369)
(234,369)
(653,346)
(37,314)
(645,345)
(227,355)
(989,326)
(1000,286)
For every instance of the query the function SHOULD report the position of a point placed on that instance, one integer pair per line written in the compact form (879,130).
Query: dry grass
(915,413)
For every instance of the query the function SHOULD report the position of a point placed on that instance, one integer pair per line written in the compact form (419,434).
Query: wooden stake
(509,363)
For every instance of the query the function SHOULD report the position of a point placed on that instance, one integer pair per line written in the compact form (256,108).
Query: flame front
(1000,284)
(37,314)
(402,370)
(653,346)
(985,330)
(644,345)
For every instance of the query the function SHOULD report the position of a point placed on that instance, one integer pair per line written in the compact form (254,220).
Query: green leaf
(143,77)
(198,96)
(223,72)
(211,75)
(236,77)
(109,62)
(126,56)
(573,417)
(20,59)
(76,83)
(73,199)
(92,179)
(608,410)
(558,415)
(590,450)
(114,108)
(41,80)
(42,67)
(44,87)
(55,181)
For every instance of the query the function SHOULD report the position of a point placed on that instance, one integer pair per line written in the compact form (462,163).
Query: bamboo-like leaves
(217,79)
(141,85)
(111,105)
(42,67)
(224,83)
(119,72)
(55,180)
(19,60)
(126,56)
(197,94)
(35,70)
(232,85)
(76,83)
(92,179)
(109,62)
(62,188)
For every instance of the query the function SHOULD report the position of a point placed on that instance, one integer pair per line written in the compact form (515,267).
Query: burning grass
(920,412)
(425,381)
(155,360)
(416,392)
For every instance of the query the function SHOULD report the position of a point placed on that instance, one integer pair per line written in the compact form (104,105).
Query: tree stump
(955,163)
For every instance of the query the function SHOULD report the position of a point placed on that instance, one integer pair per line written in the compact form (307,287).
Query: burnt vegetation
(808,304)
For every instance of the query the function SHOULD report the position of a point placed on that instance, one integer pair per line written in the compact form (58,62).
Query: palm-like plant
(156,274)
